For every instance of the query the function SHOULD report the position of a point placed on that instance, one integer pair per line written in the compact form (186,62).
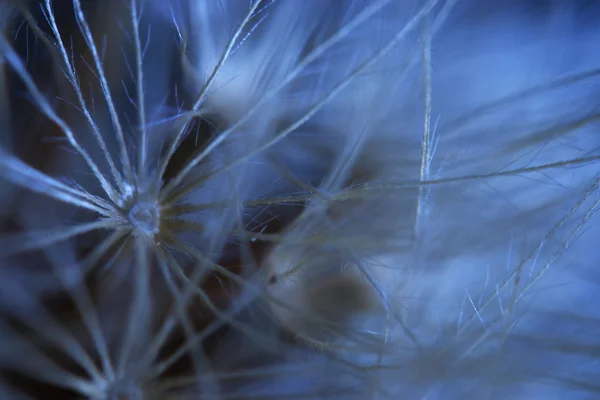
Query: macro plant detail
(297,199)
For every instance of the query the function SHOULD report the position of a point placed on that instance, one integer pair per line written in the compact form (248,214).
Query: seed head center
(145,217)
(125,392)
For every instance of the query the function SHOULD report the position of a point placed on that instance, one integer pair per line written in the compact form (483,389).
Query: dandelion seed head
(304,151)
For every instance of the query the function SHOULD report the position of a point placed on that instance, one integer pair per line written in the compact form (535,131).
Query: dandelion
(273,199)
